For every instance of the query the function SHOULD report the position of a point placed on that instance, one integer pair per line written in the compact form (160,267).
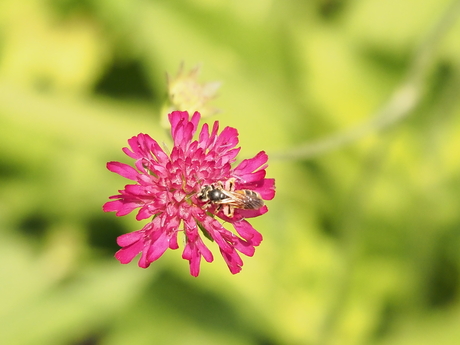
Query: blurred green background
(362,242)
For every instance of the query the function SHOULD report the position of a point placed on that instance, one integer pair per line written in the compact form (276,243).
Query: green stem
(404,99)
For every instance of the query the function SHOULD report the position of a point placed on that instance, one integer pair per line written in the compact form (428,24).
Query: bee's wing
(234,199)
(245,199)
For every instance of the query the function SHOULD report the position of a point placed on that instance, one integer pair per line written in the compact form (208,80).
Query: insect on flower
(227,198)
(188,194)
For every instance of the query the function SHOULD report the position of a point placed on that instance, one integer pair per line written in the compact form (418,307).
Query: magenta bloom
(168,190)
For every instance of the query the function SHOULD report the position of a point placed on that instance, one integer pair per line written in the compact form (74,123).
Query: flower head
(168,190)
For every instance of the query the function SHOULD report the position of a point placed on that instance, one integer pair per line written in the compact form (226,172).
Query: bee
(227,198)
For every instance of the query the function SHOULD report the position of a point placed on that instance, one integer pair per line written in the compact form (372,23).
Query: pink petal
(195,120)
(231,154)
(204,136)
(204,251)
(123,170)
(227,139)
(252,177)
(182,129)
(175,118)
(132,244)
(137,144)
(247,166)
(173,241)
(246,231)
(158,247)
(112,206)
(127,254)
(267,190)
(145,212)
(210,138)
(130,238)
(252,213)
(233,261)
(122,208)
(192,252)
(144,262)
(195,261)
(217,232)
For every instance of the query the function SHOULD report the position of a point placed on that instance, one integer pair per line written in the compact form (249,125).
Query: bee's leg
(228,211)
(230,184)
(205,205)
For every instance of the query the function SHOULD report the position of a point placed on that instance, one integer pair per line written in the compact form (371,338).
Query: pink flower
(169,190)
